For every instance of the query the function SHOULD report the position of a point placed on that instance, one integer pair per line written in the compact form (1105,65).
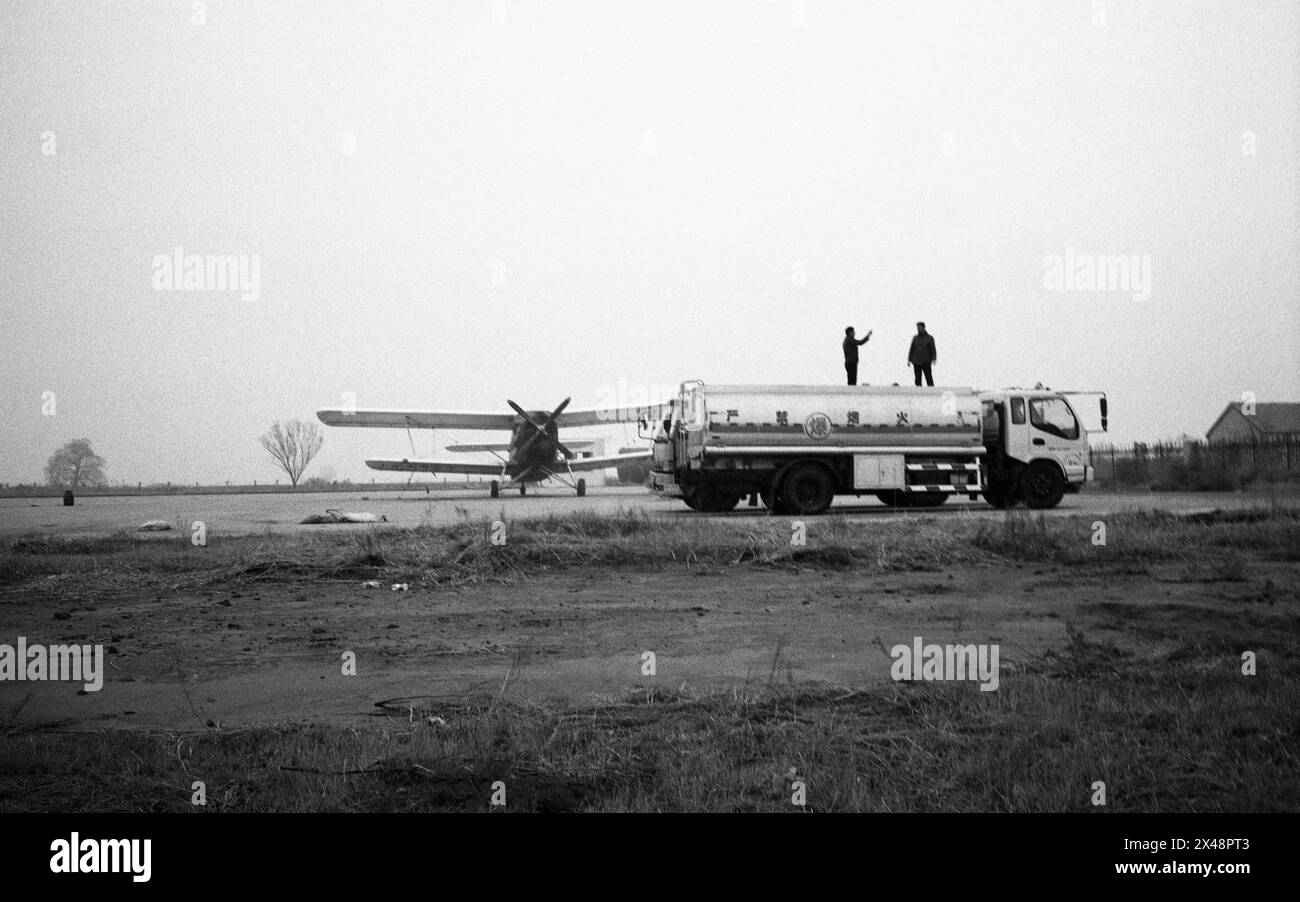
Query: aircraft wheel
(807,490)
(1044,485)
(523,490)
(582,488)
(494,488)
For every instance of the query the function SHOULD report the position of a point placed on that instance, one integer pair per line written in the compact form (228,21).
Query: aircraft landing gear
(523,490)
(582,487)
(494,488)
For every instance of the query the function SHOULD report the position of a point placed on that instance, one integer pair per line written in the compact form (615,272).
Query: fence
(309,486)
(1197,465)
(306,487)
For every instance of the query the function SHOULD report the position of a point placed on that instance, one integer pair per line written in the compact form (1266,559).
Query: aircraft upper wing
(405,465)
(598,416)
(468,419)
(417,419)
(609,460)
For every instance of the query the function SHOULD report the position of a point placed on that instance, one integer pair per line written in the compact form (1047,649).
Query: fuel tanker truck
(798,446)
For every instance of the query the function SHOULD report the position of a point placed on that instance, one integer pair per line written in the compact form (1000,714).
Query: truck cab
(1037,446)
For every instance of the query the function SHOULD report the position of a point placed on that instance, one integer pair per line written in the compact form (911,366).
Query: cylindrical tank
(835,416)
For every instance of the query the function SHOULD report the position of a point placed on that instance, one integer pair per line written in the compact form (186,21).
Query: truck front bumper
(1074,483)
(665,484)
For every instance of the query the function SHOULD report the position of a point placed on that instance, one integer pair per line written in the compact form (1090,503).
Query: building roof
(1272,418)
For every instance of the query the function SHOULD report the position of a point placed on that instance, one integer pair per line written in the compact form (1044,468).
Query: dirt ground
(265,652)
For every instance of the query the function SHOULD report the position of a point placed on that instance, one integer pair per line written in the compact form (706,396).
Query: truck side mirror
(1103,413)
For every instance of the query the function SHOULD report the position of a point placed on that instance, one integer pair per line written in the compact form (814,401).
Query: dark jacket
(851,348)
(922,352)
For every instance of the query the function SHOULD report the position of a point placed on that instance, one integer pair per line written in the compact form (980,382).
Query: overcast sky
(451,204)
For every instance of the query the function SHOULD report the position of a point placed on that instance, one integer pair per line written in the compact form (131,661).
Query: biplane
(533,454)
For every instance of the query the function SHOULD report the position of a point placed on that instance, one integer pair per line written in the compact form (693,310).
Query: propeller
(540,426)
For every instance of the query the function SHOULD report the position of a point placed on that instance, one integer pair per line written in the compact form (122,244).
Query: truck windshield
(693,411)
(1054,416)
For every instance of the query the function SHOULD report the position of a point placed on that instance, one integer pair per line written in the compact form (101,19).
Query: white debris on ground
(401,587)
(370,584)
(155,526)
(338,516)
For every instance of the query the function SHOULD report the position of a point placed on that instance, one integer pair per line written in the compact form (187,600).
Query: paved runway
(243,514)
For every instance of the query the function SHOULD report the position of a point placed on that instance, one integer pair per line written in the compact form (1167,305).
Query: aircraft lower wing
(405,465)
(603,463)
(464,448)
(472,449)
(417,419)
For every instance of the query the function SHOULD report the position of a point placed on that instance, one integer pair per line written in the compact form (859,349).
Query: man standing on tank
(851,345)
(922,355)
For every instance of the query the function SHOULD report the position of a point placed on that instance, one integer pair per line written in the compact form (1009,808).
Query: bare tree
(293,444)
(75,465)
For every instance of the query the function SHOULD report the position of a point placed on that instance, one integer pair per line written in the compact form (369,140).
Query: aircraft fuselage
(534,453)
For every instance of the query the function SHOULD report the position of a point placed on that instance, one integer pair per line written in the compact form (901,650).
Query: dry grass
(1188,736)
(464,553)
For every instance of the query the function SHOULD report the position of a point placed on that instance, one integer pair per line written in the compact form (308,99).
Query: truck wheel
(926,499)
(769,500)
(712,501)
(582,487)
(1044,485)
(494,488)
(691,501)
(999,494)
(807,490)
